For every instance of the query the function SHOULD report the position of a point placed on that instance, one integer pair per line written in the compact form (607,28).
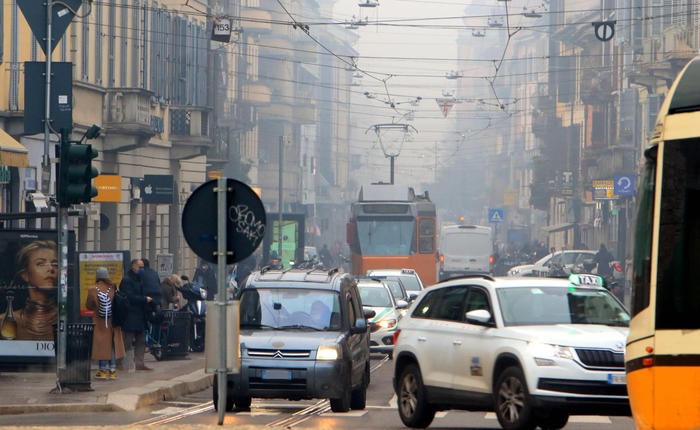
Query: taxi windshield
(560,305)
(375,296)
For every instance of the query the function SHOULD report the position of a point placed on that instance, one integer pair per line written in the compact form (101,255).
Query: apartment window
(111,44)
(155,49)
(98,43)
(124,44)
(14,65)
(34,52)
(144,45)
(85,61)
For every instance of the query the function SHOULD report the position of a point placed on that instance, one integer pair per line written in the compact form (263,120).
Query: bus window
(643,236)
(677,283)
(386,235)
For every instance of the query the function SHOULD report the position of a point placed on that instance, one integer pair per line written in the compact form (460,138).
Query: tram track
(314,410)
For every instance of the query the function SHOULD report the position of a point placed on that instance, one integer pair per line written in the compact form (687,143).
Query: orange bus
(393,228)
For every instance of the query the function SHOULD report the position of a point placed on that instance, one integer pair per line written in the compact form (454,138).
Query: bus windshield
(677,283)
(386,235)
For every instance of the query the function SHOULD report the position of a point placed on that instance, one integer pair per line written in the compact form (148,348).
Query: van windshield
(290,308)
(465,244)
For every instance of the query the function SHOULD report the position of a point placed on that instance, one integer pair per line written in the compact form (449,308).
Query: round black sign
(245,221)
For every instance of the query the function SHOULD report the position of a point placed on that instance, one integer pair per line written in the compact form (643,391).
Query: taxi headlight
(544,353)
(513,271)
(327,352)
(385,324)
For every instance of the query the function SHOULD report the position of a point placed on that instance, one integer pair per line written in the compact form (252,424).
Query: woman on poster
(107,342)
(37,274)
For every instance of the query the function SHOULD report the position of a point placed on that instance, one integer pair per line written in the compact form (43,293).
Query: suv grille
(279,353)
(601,358)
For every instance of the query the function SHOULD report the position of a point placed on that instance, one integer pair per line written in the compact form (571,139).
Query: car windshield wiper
(299,326)
(253,325)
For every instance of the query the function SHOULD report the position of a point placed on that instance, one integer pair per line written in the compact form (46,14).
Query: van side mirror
(401,304)
(359,327)
(479,317)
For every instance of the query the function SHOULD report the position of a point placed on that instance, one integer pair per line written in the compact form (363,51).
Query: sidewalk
(29,392)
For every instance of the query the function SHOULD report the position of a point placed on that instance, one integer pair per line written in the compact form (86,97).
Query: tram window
(678,283)
(641,287)
(427,236)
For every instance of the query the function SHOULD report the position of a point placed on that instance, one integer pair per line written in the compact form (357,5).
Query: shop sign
(604,189)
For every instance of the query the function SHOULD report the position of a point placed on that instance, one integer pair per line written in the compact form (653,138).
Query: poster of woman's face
(28,287)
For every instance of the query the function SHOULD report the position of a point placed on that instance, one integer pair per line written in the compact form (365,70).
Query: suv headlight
(328,352)
(388,323)
(544,353)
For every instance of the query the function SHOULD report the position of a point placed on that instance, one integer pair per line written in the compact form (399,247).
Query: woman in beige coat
(107,342)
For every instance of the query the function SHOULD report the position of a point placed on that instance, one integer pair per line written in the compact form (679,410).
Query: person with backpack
(107,342)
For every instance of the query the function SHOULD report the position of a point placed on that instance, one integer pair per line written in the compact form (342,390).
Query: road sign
(221,30)
(604,30)
(35,96)
(624,185)
(35,13)
(245,223)
(496,215)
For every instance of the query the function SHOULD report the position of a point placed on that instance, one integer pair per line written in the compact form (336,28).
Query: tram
(393,228)
(663,348)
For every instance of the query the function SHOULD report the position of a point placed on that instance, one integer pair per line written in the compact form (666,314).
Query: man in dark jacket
(206,278)
(151,282)
(603,258)
(134,328)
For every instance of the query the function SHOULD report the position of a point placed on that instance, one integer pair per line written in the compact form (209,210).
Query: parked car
(565,260)
(303,335)
(464,250)
(375,296)
(409,278)
(532,350)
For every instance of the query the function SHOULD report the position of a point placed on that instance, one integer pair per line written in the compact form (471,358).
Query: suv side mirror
(359,327)
(412,297)
(479,317)
(369,313)
(401,304)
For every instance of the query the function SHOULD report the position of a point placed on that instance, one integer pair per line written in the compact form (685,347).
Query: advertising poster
(165,265)
(28,293)
(88,262)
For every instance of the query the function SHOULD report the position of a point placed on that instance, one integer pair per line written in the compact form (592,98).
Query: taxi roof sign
(586,280)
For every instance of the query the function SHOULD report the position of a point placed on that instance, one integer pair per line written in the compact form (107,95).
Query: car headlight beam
(388,323)
(327,352)
(544,353)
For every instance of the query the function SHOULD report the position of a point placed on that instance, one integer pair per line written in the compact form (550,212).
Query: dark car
(303,336)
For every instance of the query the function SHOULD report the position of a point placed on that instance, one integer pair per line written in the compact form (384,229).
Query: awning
(558,227)
(12,153)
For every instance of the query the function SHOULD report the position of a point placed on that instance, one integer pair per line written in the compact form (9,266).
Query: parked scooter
(196,306)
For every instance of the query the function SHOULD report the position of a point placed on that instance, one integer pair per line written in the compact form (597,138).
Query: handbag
(120,308)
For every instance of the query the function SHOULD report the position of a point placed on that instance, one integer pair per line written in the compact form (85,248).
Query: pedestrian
(603,258)
(134,328)
(172,298)
(326,257)
(206,278)
(151,282)
(107,342)
(245,268)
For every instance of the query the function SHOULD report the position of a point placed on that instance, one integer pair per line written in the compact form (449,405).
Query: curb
(130,399)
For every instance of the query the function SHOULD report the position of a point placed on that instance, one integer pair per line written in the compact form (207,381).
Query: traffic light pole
(46,161)
(61,342)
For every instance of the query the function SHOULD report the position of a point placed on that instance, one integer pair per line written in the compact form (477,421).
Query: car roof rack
(474,275)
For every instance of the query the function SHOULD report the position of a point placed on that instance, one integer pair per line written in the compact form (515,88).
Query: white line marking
(258,413)
(349,414)
(394,402)
(590,419)
(490,416)
(168,411)
(441,414)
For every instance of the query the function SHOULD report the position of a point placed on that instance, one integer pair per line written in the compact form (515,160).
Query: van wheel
(414,409)
(242,402)
(341,404)
(512,401)
(358,398)
(215,398)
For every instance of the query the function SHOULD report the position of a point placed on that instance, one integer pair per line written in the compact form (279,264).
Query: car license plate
(277,374)
(617,379)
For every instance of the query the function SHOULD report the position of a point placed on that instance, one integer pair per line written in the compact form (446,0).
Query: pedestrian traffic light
(75,172)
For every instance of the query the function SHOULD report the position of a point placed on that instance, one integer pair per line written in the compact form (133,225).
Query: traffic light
(75,172)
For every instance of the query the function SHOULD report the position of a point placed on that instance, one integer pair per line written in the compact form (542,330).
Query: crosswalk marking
(171,410)
(394,402)
(591,419)
(349,414)
(440,414)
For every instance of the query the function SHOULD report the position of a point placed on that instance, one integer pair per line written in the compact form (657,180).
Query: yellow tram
(663,347)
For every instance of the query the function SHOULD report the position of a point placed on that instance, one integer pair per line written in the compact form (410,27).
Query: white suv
(533,350)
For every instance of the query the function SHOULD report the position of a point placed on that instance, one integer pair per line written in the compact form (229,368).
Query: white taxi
(375,295)
(533,350)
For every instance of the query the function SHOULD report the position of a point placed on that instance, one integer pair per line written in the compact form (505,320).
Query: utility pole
(280,198)
(46,160)
(391,168)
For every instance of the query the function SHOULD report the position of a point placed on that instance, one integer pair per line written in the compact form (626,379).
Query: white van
(464,250)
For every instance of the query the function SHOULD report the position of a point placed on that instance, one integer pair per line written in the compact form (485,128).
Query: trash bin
(76,375)
(178,333)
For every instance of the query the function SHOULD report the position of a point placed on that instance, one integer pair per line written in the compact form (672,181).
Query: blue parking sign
(624,185)
(495,215)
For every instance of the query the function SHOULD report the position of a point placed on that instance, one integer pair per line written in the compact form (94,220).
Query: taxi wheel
(553,421)
(414,409)
(512,401)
